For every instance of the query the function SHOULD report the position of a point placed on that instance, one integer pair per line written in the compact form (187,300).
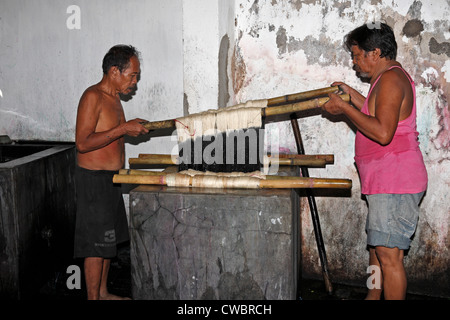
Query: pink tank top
(397,167)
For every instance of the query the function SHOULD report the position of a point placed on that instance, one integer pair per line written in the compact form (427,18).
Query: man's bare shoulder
(92,94)
(394,80)
(396,74)
(91,100)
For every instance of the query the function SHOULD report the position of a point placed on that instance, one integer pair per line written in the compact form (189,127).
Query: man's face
(361,62)
(128,78)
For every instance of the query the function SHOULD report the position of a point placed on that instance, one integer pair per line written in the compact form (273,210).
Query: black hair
(378,35)
(119,56)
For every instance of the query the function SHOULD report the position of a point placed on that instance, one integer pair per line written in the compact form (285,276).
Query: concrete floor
(120,284)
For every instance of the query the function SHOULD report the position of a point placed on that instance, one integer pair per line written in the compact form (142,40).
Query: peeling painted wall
(283,47)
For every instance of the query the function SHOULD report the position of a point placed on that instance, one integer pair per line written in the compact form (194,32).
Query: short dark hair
(119,56)
(368,39)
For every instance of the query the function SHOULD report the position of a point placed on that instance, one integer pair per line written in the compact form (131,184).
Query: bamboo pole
(156,155)
(168,159)
(298,162)
(272,110)
(136,172)
(155,125)
(150,160)
(301,95)
(278,182)
(328,158)
(299,106)
(140,179)
(274,182)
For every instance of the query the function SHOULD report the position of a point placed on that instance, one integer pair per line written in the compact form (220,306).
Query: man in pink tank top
(387,155)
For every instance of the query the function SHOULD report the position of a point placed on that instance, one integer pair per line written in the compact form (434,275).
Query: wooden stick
(272,110)
(274,182)
(313,208)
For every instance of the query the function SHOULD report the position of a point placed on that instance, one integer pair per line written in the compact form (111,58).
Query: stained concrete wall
(198,54)
(283,47)
(200,243)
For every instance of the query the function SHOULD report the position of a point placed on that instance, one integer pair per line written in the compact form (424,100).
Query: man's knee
(389,256)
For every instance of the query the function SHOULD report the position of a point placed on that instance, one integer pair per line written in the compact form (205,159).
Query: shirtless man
(390,164)
(101,219)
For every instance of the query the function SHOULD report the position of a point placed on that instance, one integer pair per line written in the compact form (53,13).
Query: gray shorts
(392,219)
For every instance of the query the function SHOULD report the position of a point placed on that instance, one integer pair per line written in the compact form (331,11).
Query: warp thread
(240,116)
(215,180)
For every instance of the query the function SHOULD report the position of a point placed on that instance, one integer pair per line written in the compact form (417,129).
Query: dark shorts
(101,221)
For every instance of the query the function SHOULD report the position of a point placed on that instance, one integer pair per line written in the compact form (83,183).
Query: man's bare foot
(109,296)
(374,294)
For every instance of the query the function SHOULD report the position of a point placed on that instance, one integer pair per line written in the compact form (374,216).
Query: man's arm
(382,125)
(356,98)
(86,138)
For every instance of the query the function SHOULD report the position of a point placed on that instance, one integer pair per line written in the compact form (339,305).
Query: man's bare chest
(110,116)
